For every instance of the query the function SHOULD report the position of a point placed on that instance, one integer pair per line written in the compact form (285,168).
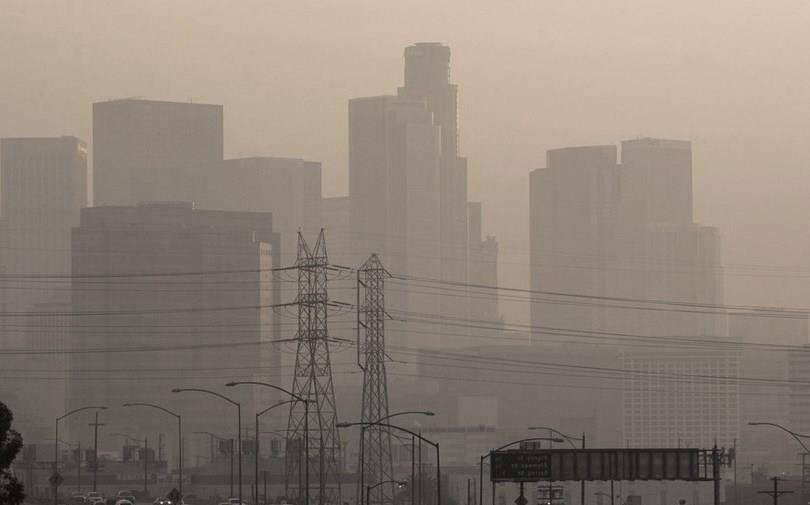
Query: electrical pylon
(375,456)
(313,381)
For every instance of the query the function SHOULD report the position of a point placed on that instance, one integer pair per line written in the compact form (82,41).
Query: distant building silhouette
(394,187)
(624,231)
(43,184)
(289,188)
(768,400)
(206,327)
(427,78)
(408,191)
(147,151)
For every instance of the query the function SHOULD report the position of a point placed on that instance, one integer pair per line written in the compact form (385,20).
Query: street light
(798,437)
(78,446)
(420,437)
(789,432)
(239,425)
(399,483)
(56,446)
(179,439)
(485,456)
(570,439)
(306,429)
(363,440)
(256,455)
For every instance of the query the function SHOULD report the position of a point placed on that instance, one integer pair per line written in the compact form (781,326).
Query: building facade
(175,297)
(152,151)
(607,229)
(43,185)
(408,193)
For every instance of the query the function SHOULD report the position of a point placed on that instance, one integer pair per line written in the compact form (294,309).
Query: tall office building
(180,326)
(665,405)
(43,184)
(394,188)
(601,228)
(289,188)
(427,79)
(149,151)
(483,269)
(767,399)
(408,187)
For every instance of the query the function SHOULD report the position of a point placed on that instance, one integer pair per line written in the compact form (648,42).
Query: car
(77,499)
(126,495)
(162,501)
(93,500)
(122,501)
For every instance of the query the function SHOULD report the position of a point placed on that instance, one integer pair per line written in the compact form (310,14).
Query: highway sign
(533,465)
(520,466)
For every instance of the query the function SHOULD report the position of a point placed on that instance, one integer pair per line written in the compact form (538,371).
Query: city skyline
(569,232)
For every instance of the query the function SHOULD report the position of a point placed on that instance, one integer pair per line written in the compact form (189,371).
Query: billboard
(532,465)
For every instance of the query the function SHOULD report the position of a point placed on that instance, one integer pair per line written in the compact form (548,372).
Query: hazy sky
(733,76)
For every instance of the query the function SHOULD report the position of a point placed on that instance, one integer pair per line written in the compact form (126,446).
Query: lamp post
(798,437)
(485,456)
(570,439)
(369,488)
(256,455)
(420,437)
(239,424)
(306,426)
(56,445)
(179,439)
(78,446)
(363,440)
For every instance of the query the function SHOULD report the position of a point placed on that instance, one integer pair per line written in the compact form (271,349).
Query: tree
(11,489)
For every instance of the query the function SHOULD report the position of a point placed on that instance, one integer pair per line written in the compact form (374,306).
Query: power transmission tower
(375,456)
(313,382)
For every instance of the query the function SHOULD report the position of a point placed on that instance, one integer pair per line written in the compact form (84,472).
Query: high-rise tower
(151,151)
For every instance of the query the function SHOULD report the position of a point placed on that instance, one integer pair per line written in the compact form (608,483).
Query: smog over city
(404,253)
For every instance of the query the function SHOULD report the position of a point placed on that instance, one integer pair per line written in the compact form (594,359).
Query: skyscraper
(600,228)
(408,186)
(427,79)
(289,188)
(148,151)
(43,186)
(394,187)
